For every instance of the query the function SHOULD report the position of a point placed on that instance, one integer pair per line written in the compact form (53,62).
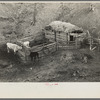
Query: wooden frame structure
(56,38)
(60,32)
(43,50)
(92,42)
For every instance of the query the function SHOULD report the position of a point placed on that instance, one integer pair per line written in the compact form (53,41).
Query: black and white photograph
(49,42)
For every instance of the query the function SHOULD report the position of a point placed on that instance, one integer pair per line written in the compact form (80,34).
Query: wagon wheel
(45,50)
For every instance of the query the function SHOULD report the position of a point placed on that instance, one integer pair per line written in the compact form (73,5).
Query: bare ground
(50,68)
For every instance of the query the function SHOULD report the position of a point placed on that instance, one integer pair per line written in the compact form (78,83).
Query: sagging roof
(63,27)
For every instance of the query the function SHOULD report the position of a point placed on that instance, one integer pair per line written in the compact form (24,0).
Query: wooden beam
(55,36)
(56,39)
(76,42)
(90,43)
(66,38)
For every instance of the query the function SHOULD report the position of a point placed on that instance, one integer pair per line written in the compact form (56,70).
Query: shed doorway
(71,38)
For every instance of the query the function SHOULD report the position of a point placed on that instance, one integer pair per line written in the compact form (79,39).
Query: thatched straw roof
(63,27)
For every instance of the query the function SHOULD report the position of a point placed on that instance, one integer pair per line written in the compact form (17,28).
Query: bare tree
(64,10)
(34,14)
(18,12)
(37,7)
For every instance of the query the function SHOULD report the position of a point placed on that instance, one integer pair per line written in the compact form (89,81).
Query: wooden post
(76,42)
(34,14)
(59,36)
(90,43)
(55,36)
(25,51)
(66,38)
(55,39)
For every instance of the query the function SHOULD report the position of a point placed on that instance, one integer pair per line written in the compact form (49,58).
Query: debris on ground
(67,58)
(75,72)
(10,66)
(78,72)
(85,59)
(31,68)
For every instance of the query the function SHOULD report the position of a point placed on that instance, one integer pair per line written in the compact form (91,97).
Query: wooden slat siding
(63,34)
(61,37)
(57,36)
(50,37)
(36,48)
(50,34)
(40,47)
(51,47)
(50,44)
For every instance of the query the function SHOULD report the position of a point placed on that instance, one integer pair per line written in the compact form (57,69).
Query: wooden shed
(64,33)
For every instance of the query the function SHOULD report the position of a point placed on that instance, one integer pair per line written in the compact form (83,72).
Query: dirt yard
(51,68)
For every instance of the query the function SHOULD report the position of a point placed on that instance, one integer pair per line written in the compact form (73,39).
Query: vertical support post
(66,38)
(55,39)
(76,42)
(59,36)
(90,43)
(55,36)
(25,54)
(98,45)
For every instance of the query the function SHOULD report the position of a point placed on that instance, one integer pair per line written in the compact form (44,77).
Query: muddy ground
(50,68)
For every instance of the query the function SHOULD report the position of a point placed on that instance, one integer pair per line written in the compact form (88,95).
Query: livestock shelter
(65,34)
(39,44)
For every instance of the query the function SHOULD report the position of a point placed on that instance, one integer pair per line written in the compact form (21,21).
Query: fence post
(55,39)
(25,53)
(76,42)
(68,38)
(98,45)
(91,42)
